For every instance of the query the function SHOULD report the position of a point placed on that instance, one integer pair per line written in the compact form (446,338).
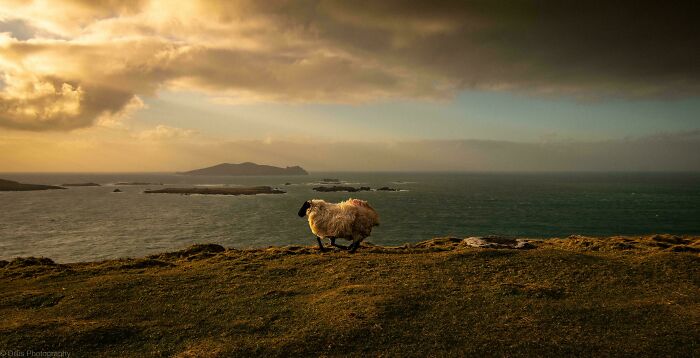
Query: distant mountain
(247,168)
(9,185)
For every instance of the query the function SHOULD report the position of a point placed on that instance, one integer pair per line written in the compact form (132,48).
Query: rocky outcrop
(136,183)
(497,242)
(326,189)
(218,191)
(349,189)
(386,188)
(9,185)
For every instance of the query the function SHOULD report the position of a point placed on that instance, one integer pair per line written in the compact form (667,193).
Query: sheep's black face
(302,211)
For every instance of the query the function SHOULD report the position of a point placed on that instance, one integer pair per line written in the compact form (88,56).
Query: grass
(622,296)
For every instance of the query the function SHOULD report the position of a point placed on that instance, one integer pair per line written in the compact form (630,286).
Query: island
(326,189)
(137,183)
(218,191)
(9,185)
(81,184)
(247,168)
(350,189)
(330,181)
(386,188)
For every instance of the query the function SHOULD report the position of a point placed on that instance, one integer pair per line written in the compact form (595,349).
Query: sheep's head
(302,210)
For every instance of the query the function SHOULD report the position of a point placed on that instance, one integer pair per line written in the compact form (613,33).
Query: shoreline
(592,243)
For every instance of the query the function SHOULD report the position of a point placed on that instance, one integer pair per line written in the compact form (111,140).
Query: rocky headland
(9,185)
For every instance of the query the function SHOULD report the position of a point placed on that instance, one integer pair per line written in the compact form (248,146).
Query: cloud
(115,120)
(163,132)
(85,59)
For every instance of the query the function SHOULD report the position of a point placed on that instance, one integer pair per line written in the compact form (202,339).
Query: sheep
(352,219)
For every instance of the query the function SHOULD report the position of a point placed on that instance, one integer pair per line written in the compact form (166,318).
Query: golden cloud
(86,59)
(163,132)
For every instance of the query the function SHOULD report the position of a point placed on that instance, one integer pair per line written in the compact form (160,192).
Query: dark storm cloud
(588,48)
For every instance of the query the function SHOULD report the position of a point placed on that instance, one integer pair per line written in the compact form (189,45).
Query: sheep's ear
(302,211)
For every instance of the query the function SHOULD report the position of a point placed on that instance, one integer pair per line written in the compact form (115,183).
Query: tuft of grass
(31,261)
(577,296)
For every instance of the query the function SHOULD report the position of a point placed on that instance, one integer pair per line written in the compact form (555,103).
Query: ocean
(93,223)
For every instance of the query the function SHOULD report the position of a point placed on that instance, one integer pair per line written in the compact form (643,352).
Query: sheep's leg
(338,246)
(320,245)
(355,244)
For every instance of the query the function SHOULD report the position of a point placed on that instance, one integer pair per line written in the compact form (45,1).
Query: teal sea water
(92,223)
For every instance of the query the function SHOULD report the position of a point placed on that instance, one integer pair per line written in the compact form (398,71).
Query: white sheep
(352,219)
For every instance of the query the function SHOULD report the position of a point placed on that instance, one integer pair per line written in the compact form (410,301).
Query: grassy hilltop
(633,296)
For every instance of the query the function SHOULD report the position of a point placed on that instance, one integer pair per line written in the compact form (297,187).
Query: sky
(158,85)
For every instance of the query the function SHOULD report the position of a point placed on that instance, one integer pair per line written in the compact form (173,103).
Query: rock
(670,239)
(287,183)
(683,248)
(525,245)
(116,191)
(218,191)
(325,189)
(136,183)
(496,242)
(330,181)
(386,188)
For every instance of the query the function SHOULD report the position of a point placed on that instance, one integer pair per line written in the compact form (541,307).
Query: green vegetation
(622,296)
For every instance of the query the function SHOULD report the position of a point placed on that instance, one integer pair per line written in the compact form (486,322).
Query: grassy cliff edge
(624,296)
